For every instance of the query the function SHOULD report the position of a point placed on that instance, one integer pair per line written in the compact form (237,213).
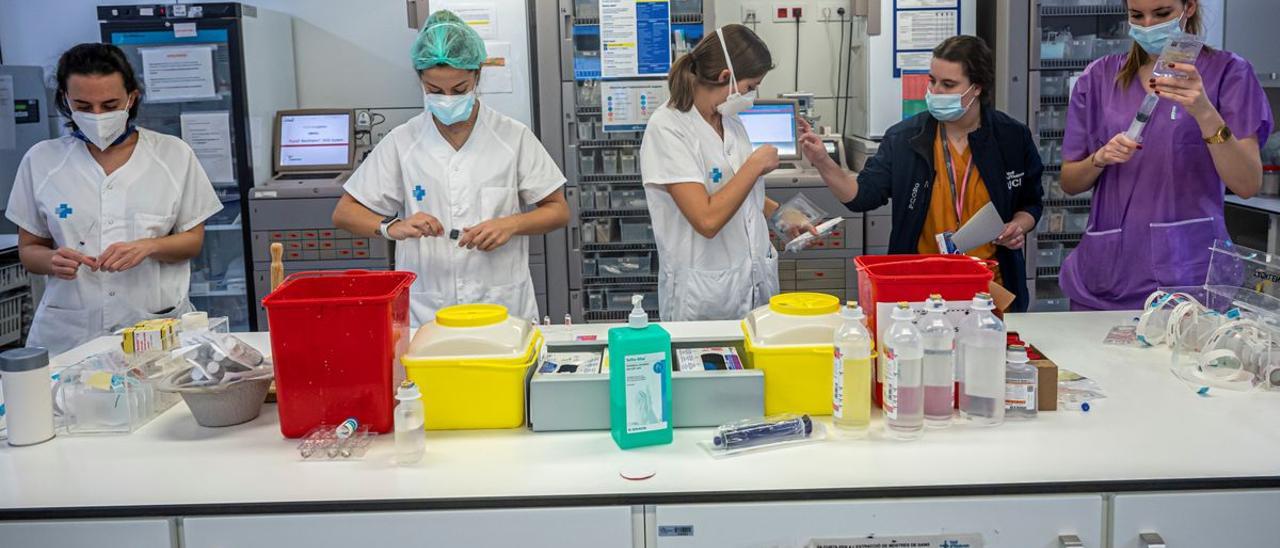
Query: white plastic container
(28,397)
(981,367)
(904,382)
(410,424)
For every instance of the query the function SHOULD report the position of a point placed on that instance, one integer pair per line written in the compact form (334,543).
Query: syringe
(1143,116)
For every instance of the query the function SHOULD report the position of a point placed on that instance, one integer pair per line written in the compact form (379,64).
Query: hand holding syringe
(1144,115)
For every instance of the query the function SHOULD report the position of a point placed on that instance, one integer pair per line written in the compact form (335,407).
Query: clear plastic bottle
(981,365)
(939,364)
(1021,380)
(851,400)
(411,433)
(904,382)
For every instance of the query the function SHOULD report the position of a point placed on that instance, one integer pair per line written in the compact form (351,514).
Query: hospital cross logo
(716,175)
(64,211)
(419,193)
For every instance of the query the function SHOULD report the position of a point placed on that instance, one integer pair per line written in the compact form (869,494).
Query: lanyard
(951,175)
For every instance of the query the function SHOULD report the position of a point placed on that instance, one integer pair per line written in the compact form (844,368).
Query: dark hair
(975,57)
(704,63)
(97,60)
(1138,56)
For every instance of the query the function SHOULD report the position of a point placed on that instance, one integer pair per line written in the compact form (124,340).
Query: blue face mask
(948,107)
(1154,38)
(450,109)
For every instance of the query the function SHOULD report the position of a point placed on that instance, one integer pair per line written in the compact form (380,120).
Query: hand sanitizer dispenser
(639,381)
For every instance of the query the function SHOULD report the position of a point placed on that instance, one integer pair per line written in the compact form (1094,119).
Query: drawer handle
(1151,540)
(1070,541)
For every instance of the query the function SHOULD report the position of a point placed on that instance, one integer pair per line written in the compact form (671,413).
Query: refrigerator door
(193,89)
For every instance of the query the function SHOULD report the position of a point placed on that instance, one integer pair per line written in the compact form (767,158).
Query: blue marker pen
(765,432)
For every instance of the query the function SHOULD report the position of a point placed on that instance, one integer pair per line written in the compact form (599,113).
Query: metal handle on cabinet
(567,29)
(1070,541)
(1151,540)
(575,238)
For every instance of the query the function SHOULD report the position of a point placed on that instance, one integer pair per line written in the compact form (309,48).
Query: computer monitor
(773,122)
(314,139)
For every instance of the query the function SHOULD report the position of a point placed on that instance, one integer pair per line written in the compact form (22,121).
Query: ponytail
(682,82)
(705,62)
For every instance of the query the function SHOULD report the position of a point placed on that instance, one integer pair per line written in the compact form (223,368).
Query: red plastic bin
(335,339)
(912,278)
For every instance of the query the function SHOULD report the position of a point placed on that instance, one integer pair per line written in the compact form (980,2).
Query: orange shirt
(942,207)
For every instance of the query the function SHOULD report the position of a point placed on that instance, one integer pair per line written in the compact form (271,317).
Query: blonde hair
(704,63)
(1138,56)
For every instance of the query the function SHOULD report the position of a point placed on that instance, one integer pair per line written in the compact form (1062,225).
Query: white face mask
(737,102)
(102,129)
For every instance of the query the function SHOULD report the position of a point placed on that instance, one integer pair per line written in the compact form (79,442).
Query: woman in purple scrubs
(1157,205)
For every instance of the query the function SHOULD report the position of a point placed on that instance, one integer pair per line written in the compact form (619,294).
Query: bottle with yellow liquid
(851,401)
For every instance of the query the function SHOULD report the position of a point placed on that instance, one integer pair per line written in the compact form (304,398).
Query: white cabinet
(143,533)
(1238,519)
(1003,522)
(608,527)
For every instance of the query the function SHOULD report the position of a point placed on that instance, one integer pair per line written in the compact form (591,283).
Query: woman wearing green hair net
(450,186)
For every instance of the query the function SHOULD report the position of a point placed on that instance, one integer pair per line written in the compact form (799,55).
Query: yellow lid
(804,304)
(471,315)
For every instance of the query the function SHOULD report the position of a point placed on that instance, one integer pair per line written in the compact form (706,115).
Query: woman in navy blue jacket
(943,166)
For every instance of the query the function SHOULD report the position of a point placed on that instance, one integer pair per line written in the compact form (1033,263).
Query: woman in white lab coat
(703,183)
(450,184)
(112,213)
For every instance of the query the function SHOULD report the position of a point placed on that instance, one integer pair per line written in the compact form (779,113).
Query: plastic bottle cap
(982,301)
(804,304)
(638,319)
(471,315)
(408,391)
(936,303)
(18,360)
(903,312)
(852,311)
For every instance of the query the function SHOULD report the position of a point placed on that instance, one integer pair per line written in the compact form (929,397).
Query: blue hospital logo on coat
(716,175)
(419,193)
(64,211)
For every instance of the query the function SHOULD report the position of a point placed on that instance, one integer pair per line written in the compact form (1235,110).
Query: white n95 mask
(102,129)
(737,102)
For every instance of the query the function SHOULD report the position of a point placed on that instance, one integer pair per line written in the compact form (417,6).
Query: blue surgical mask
(450,109)
(948,107)
(1154,38)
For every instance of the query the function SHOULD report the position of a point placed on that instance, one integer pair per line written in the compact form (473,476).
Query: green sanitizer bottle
(639,381)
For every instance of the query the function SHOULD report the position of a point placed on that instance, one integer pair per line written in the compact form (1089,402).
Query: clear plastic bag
(796,213)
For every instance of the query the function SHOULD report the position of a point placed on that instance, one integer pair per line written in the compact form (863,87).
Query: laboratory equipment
(939,363)
(1143,116)
(1021,380)
(471,363)
(851,393)
(335,341)
(640,381)
(904,383)
(28,401)
(981,371)
(1183,48)
(790,340)
(349,440)
(411,432)
(796,214)
(805,107)
(249,76)
(760,433)
(802,241)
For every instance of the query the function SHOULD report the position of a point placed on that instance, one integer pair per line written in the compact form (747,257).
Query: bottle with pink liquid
(939,363)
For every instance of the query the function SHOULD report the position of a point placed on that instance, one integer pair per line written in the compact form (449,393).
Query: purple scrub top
(1153,218)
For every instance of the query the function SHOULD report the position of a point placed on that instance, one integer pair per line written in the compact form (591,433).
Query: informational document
(495,75)
(925,29)
(916,61)
(209,134)
(185,30)
(627,105)
(924,4)
(178,73)
(902,541)
(481,16)
(8,125)
(635,38)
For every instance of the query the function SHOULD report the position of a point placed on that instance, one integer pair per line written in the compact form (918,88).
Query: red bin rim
(280,298)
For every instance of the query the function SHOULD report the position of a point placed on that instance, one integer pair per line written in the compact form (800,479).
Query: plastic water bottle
(851,400)
(982,364)
(939,363)
(1021,381)
(410,417)
(904,382)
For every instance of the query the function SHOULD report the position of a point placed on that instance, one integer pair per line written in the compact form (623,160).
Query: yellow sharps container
(790,340)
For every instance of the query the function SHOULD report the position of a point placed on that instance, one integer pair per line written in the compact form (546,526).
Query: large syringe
(1143,116)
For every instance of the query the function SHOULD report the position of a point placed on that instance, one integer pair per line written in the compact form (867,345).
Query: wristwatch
(386,224)
(1221,136)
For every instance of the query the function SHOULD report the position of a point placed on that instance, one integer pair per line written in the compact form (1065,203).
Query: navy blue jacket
(903,170)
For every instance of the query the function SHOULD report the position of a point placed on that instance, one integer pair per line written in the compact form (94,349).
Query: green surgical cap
(447,40)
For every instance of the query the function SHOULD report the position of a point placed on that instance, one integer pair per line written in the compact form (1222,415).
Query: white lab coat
(721,278)
(62,193)
(499,170)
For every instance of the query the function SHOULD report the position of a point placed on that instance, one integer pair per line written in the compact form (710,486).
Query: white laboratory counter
(1151,435)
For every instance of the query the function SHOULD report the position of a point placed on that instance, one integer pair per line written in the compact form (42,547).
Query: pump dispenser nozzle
(638,319)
